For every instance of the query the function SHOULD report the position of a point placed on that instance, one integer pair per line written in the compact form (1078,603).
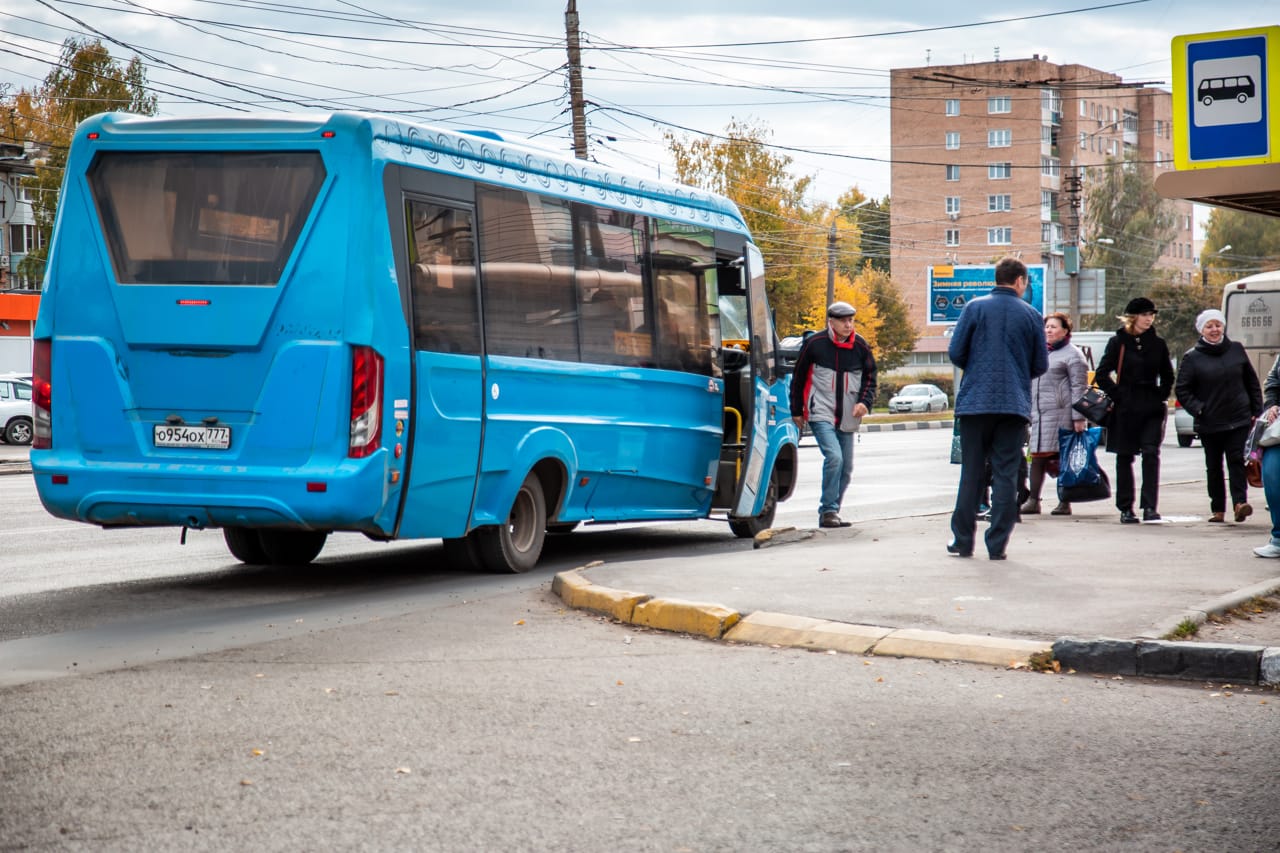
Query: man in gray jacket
(833,388)
(999,344)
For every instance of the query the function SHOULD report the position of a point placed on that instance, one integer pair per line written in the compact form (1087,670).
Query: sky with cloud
(815,74)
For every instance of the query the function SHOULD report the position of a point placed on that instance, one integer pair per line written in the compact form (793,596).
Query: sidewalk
(1083,590)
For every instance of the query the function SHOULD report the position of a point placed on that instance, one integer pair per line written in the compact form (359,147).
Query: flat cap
(841,309)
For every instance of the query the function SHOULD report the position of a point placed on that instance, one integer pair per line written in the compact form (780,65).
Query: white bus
(1252,308)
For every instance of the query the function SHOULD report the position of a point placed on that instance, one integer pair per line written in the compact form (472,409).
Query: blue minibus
(283,326)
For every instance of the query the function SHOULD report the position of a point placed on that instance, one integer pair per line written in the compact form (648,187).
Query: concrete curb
(903,426)
(14,468)
(717,622)
(1148,657)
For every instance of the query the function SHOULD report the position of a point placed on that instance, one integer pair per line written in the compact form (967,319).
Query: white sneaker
(1268,550)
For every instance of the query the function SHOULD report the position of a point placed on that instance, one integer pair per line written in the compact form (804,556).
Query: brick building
(985,157)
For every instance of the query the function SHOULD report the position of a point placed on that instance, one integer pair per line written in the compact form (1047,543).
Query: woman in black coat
(1136,373)
(1219,387)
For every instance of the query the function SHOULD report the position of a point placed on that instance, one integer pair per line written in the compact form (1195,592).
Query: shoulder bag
(1094,403)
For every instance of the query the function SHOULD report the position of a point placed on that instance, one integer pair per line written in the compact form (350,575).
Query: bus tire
(244,545)
(463,553)
(516,545)
(747,528)
(292,547)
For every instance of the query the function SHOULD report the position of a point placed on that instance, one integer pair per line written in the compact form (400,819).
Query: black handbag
(1094,404)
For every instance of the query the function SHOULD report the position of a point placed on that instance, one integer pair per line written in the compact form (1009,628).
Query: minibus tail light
(41,396)
(366,402)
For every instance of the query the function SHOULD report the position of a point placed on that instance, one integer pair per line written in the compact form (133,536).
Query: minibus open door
(763,367)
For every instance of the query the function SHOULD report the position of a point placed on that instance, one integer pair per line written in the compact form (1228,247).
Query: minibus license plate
(209,437)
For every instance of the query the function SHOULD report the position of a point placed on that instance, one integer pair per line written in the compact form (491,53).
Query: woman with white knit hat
(1217,384)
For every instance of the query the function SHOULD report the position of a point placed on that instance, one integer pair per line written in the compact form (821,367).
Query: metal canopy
(1255,188)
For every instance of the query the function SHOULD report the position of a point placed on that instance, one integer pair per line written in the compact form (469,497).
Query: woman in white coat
(1051,397)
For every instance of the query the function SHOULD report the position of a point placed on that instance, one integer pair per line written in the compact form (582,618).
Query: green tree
(1179,304)
(1121,204)
(1254,242)
(874,222)
(86,81)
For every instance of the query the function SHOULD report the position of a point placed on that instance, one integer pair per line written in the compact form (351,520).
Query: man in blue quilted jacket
(999,344)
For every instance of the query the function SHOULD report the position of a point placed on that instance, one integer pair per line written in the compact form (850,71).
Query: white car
(15,411)
(919,398)
(1184,425)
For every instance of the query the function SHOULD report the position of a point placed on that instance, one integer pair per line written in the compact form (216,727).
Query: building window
(999,236)
(1084,140)
(953,173)
(1084,108)
(1049,167)
(22,191)
(999,105)
(953,106)
(999,171)
(953,139)
(999,203)
(1159,128)
(953,236)
(24,239)
(999,138)
(953,204)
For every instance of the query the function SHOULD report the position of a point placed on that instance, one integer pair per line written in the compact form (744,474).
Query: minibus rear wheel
(516,545)
(292,547)
(244,545)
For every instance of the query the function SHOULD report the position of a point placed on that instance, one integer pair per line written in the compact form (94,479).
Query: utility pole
(575,80)
(1072,183)
(831,264)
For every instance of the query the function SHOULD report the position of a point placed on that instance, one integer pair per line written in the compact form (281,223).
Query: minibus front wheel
(747,528)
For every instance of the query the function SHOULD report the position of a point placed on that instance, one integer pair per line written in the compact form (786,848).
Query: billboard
(951,287)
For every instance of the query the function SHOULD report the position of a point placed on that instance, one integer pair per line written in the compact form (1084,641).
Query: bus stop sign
(1224,110)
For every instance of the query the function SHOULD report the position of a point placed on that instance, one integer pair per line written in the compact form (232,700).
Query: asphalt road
(380,701)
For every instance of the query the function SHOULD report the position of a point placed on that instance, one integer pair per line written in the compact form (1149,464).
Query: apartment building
(993,159)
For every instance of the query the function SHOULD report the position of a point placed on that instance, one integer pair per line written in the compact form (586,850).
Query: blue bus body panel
(446,420)
(646,440)
(270,362)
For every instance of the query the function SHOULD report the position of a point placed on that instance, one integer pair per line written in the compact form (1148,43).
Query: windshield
(914,391)
(203,217)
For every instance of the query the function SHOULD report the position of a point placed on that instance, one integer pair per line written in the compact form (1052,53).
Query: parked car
(919,398)
(15,411)
(789,350)
(1184,425)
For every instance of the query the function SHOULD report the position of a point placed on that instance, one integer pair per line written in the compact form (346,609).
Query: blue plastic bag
(1078,459)
(1081,478)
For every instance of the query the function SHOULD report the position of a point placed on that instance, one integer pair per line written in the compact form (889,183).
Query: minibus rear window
(204,217)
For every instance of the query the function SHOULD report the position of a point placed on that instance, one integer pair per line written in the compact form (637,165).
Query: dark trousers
(1150,497)
(1231,445)
(997,438)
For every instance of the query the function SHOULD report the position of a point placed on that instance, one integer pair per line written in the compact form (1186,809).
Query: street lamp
(831,253)
(1205,263)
